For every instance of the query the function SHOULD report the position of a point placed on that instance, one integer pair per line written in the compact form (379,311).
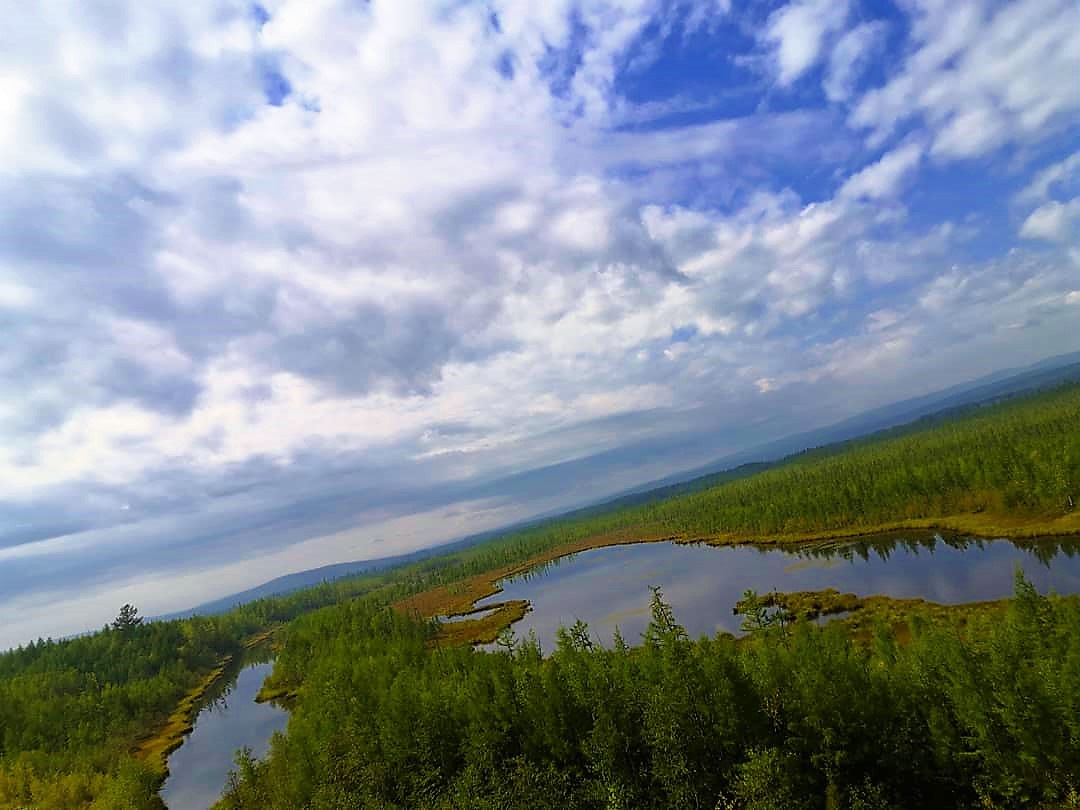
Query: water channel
(229,720)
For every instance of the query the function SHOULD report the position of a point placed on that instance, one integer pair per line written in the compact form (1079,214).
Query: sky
(308,281)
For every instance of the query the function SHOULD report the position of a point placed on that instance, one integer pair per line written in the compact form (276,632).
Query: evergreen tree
(127,618)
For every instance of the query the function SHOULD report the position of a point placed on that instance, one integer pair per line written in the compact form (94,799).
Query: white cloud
(798,33)
(14,295)
(413,228)
(849,58)
(427,262)
(883,178)
(1064,174)
(1055,191)
(110,86)
(1054,222)
(982,75)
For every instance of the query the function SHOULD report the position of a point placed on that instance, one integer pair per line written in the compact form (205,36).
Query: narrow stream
(229,720)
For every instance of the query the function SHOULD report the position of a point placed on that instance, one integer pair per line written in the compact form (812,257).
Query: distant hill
(1042,375)
(938,405)
(316,576)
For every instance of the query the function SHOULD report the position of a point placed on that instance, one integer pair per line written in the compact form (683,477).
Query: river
(229,720)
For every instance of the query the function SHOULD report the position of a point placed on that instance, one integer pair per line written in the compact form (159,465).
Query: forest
(795,714)
(72,711)
(792,716)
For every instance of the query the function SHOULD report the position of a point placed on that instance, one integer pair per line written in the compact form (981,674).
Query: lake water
(229,720)
(609,587)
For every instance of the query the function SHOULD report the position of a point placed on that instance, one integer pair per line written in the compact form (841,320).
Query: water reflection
(609,587)
(1042,549)
(229,720)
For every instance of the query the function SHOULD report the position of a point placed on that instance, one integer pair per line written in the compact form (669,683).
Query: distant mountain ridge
(990,388)
(289,583)
(1045,374)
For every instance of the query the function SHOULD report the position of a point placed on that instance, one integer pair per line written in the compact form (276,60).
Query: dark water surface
(231,719)
(609,587)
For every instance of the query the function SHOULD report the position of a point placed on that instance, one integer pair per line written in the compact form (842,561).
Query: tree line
(796,717)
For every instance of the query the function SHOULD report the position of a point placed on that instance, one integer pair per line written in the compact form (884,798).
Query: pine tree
(127,618)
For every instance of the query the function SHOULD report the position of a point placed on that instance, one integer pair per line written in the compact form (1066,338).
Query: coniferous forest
(795,717)
(791,716)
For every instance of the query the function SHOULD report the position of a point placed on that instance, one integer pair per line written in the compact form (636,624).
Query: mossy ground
(155,748)
(861,614)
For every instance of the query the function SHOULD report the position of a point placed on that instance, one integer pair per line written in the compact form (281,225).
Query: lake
(609,587)
(229,720)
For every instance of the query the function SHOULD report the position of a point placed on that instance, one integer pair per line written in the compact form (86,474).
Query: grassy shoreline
(460,598)
(860,615)
(154,749)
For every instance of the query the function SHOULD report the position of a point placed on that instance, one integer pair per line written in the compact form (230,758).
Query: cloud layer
(271,273)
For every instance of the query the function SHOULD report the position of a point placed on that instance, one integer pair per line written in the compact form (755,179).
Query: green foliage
(127,618)
(759,614)
(70,710)
(1018,457)
(790,719)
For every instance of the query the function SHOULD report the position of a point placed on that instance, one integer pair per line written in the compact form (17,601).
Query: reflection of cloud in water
(832,562)
(609,587)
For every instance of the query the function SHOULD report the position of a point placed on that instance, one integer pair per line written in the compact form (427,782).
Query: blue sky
(294,283)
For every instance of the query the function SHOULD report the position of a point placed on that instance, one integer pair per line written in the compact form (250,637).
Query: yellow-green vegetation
(861,615)
(483,630)
(266,637)
(281,696)
(803,604)
(89,721)
(1006,470)
(1011,469)
(155,749)
(978,524)
(459,598)
(71,712)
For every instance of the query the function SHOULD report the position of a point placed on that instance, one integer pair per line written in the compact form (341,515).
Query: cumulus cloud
(1058,179)
(883,178)
(267,277)
(1055,191)
(1054,221)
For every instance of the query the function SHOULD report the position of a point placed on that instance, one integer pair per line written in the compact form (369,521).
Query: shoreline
(460,598)
(155,747)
